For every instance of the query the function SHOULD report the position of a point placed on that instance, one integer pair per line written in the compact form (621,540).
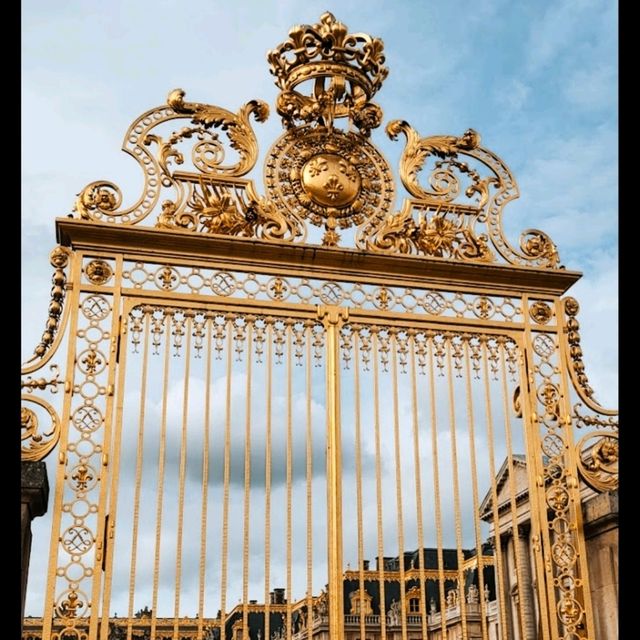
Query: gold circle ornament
(330,180)
(540,312)
(98,272)
(325,175)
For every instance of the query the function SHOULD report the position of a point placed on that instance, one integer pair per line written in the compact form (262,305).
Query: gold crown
(327,49)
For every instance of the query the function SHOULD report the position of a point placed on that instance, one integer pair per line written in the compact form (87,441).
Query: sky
(537,79)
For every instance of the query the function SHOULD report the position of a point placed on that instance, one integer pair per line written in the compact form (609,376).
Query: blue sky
(537,79)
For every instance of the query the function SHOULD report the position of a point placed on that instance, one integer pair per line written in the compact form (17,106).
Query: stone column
(503,590)
(34,497)
(600,514)
(525,590)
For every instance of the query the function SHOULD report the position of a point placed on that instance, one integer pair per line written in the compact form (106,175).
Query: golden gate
(306,413)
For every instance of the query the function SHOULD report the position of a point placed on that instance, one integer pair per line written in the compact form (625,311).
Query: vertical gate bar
(107,460)
(309,455)
(205,478)
(73,301)
(289,462)
(494,490)
(538,507)
(138,476)
(161,463)
(119,353)
(474,486)
(182,471)
(418,482)
(573,482)
(399,514)
(376,426)
(358,452)
(332,318)
(436,483)
(247,481)
(456,490)
(517,543)
(226,474)
(267,483)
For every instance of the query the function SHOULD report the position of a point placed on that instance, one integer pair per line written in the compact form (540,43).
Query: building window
(414,605)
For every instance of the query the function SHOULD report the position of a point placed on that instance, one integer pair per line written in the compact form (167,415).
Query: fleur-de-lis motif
(167,277)
(383,298)
(317,166)
(91,361)
(82,477)
(333,187)
(278,288)
(69,607)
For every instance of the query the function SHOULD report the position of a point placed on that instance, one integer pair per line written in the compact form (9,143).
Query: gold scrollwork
(37,443)
(102,200)
(537,245)
(97,199)
(237,127)
(598,461)
(417,150)
(31,384)
(583,420)
(70,633)
(487,197)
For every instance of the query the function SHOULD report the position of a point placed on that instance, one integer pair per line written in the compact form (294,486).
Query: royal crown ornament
(342,71)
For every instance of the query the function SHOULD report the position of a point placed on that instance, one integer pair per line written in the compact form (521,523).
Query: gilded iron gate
(262,437)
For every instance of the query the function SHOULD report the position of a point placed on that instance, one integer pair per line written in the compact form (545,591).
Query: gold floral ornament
(344,69)
(98,272)
(212,209)
(440,219)
(540,312)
